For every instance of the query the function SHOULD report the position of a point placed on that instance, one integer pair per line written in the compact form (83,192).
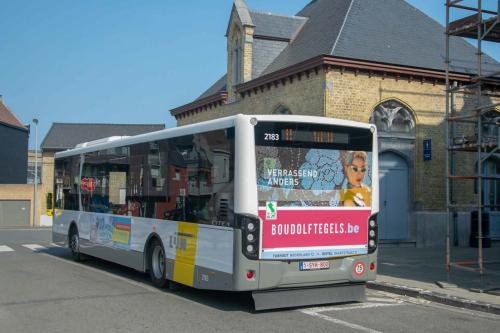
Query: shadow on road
(221,300)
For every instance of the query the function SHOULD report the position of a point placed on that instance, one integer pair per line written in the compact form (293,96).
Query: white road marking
(339,322)
(372,302)
(388,264)
(5,248)
(426,303)
(382,300)
(352,307)
(55,245)
(34,247)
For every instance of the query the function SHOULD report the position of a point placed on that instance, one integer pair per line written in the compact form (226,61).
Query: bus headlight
(372,233)
(249,225)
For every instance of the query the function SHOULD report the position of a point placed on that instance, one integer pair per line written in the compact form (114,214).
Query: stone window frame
(390,113)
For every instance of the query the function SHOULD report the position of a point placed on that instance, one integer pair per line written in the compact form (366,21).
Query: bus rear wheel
(157,264)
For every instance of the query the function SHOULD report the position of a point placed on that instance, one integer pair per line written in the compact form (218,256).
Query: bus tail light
(250,231)
(372,233)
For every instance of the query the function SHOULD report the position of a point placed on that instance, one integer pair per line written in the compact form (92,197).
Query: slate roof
(8,118)
(264,51)
(385,31)
(272,34)
(62,136)
(388,31)
(242,9)
(220,85)
(278,26)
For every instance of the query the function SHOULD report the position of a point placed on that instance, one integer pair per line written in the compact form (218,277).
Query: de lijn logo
(271,210)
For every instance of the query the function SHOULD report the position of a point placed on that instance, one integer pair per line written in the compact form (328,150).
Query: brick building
(379,61)
(13,147)
(15,194)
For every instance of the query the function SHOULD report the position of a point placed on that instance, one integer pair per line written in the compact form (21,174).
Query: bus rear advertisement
(284,207)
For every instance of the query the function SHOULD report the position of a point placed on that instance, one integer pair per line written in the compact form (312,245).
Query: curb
(434,297)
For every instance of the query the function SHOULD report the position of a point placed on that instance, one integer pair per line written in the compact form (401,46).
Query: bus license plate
(313,265)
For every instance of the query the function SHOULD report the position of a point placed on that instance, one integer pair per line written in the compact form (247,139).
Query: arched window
(236,63)
(392,116)
(236,55)
(282,110)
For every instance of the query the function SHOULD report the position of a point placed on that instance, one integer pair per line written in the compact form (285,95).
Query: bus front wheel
(157,263)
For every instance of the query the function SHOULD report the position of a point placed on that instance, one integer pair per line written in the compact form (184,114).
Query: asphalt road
(43,290)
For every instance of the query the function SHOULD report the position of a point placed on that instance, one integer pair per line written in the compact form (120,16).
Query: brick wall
(47,177)
(352,96)
(304,97)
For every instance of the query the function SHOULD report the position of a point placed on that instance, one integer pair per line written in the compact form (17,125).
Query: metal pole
(479,140)
(447,137)
(35,121)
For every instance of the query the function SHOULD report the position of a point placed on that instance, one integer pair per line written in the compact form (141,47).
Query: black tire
(74,244)
(157,264)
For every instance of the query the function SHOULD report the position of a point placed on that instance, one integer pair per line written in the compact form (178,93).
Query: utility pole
(35,121)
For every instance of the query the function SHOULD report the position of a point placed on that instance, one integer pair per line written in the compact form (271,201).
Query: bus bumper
(295,297)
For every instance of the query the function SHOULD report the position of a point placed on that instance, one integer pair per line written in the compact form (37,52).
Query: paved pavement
(420,272)
(23,235)
(43,290)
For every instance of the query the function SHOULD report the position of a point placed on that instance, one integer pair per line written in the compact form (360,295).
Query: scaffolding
(475,128)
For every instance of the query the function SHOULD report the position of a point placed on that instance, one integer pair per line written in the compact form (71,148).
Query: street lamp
(35,122)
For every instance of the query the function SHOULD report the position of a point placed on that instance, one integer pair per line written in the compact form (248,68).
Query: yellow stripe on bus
(185,253)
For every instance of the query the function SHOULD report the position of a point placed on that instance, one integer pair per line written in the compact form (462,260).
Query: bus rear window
(309,165)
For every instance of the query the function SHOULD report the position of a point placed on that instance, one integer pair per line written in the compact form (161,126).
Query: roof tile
(8,118)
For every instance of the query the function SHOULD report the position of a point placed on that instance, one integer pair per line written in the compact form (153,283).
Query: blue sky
(120,61)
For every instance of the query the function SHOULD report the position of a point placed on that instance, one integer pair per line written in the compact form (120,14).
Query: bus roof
(206,126)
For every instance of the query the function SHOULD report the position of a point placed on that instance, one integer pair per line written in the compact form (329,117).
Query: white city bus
(282,206)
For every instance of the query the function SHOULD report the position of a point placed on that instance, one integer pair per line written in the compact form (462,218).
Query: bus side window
(201,172)
(66,173)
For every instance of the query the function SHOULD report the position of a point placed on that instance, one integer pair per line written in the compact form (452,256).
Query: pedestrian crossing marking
(5,248)
(34,247)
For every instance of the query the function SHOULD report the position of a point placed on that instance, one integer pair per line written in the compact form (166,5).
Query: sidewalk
(23,235)
(418,272)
